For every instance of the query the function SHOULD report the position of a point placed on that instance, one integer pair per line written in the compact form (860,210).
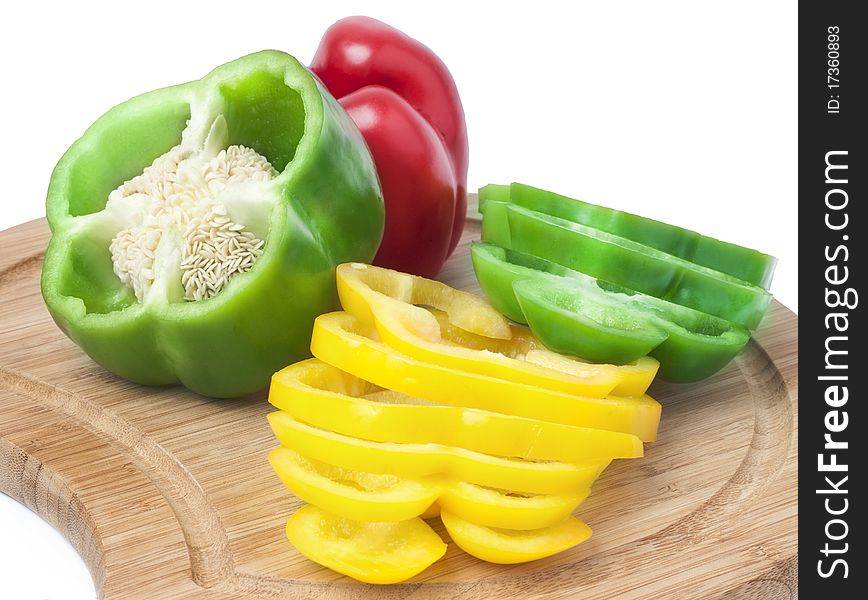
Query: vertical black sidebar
(833,434)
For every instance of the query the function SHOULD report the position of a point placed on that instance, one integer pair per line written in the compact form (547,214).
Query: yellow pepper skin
(343,341)
(326,397)
(420,460)
(387,299)
(506,546)
(367,551)
(364,496)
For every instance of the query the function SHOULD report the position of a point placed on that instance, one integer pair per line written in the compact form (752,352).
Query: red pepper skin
(359,52)
(418,173)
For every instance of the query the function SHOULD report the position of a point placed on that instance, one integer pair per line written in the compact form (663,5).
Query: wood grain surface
(166,494)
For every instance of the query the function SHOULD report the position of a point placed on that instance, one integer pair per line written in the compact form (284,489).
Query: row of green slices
(609,286)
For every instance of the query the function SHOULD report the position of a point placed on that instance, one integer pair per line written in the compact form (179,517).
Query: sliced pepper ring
(502,508)
(368,551)
(343,341)
(365,496)
(326,397)
(634,377)
(696,346)
(421,460)
(587,324)
(627,263)
(743,263)
(358,283)
(356,495)
(510,546)
(387,299)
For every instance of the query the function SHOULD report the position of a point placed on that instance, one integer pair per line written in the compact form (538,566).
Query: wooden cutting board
(166,494)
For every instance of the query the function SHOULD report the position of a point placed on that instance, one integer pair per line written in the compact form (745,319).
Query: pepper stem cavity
(182,192)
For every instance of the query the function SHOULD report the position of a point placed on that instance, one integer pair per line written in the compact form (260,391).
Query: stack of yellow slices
(424,401)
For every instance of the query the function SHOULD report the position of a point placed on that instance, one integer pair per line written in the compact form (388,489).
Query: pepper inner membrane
(197,215)
(181,190)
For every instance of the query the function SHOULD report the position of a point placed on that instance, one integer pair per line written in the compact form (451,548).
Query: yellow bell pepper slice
(370,552)
(502,508)
(468,311)
(633,378)
(365,496)
(636,377)
(353,494)
(387,299)
(432,512)
(326,397)
(509,546)
(420,460)
(343,341)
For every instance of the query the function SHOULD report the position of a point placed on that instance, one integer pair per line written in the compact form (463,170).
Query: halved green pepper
(742,263)
(315,203)
(624,262)
(577,314)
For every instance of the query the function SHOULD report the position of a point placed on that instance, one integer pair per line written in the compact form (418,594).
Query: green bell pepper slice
(577,320)
(596,320)
(492,191)
(742,263)
(624,262)
(323,207)
(498,268)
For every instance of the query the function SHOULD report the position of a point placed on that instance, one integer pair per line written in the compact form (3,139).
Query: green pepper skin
(742,263)
(695,345)
(624,262)
(492,191)
(498,268)
(326,208)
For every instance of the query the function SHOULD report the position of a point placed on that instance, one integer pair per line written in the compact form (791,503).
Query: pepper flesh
(379,553)
(360,285)
(377,497)
(508,509)
(633,378)
(343,341)
(586,324)
(507,546)
(419,460)
(742,263)
(353,494)
(407,106)
(624,262)
(696,345)
(325,397)
(324,207)
(388,298)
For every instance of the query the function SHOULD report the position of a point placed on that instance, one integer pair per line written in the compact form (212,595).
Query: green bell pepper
(209,267)
(498,268)
(577,314)
(578,320)
(492,191)
(742,263)
(624,262)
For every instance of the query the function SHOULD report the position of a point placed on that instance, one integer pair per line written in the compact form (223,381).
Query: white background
(681,111)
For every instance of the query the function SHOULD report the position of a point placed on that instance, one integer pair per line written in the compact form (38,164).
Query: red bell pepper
(404,101)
